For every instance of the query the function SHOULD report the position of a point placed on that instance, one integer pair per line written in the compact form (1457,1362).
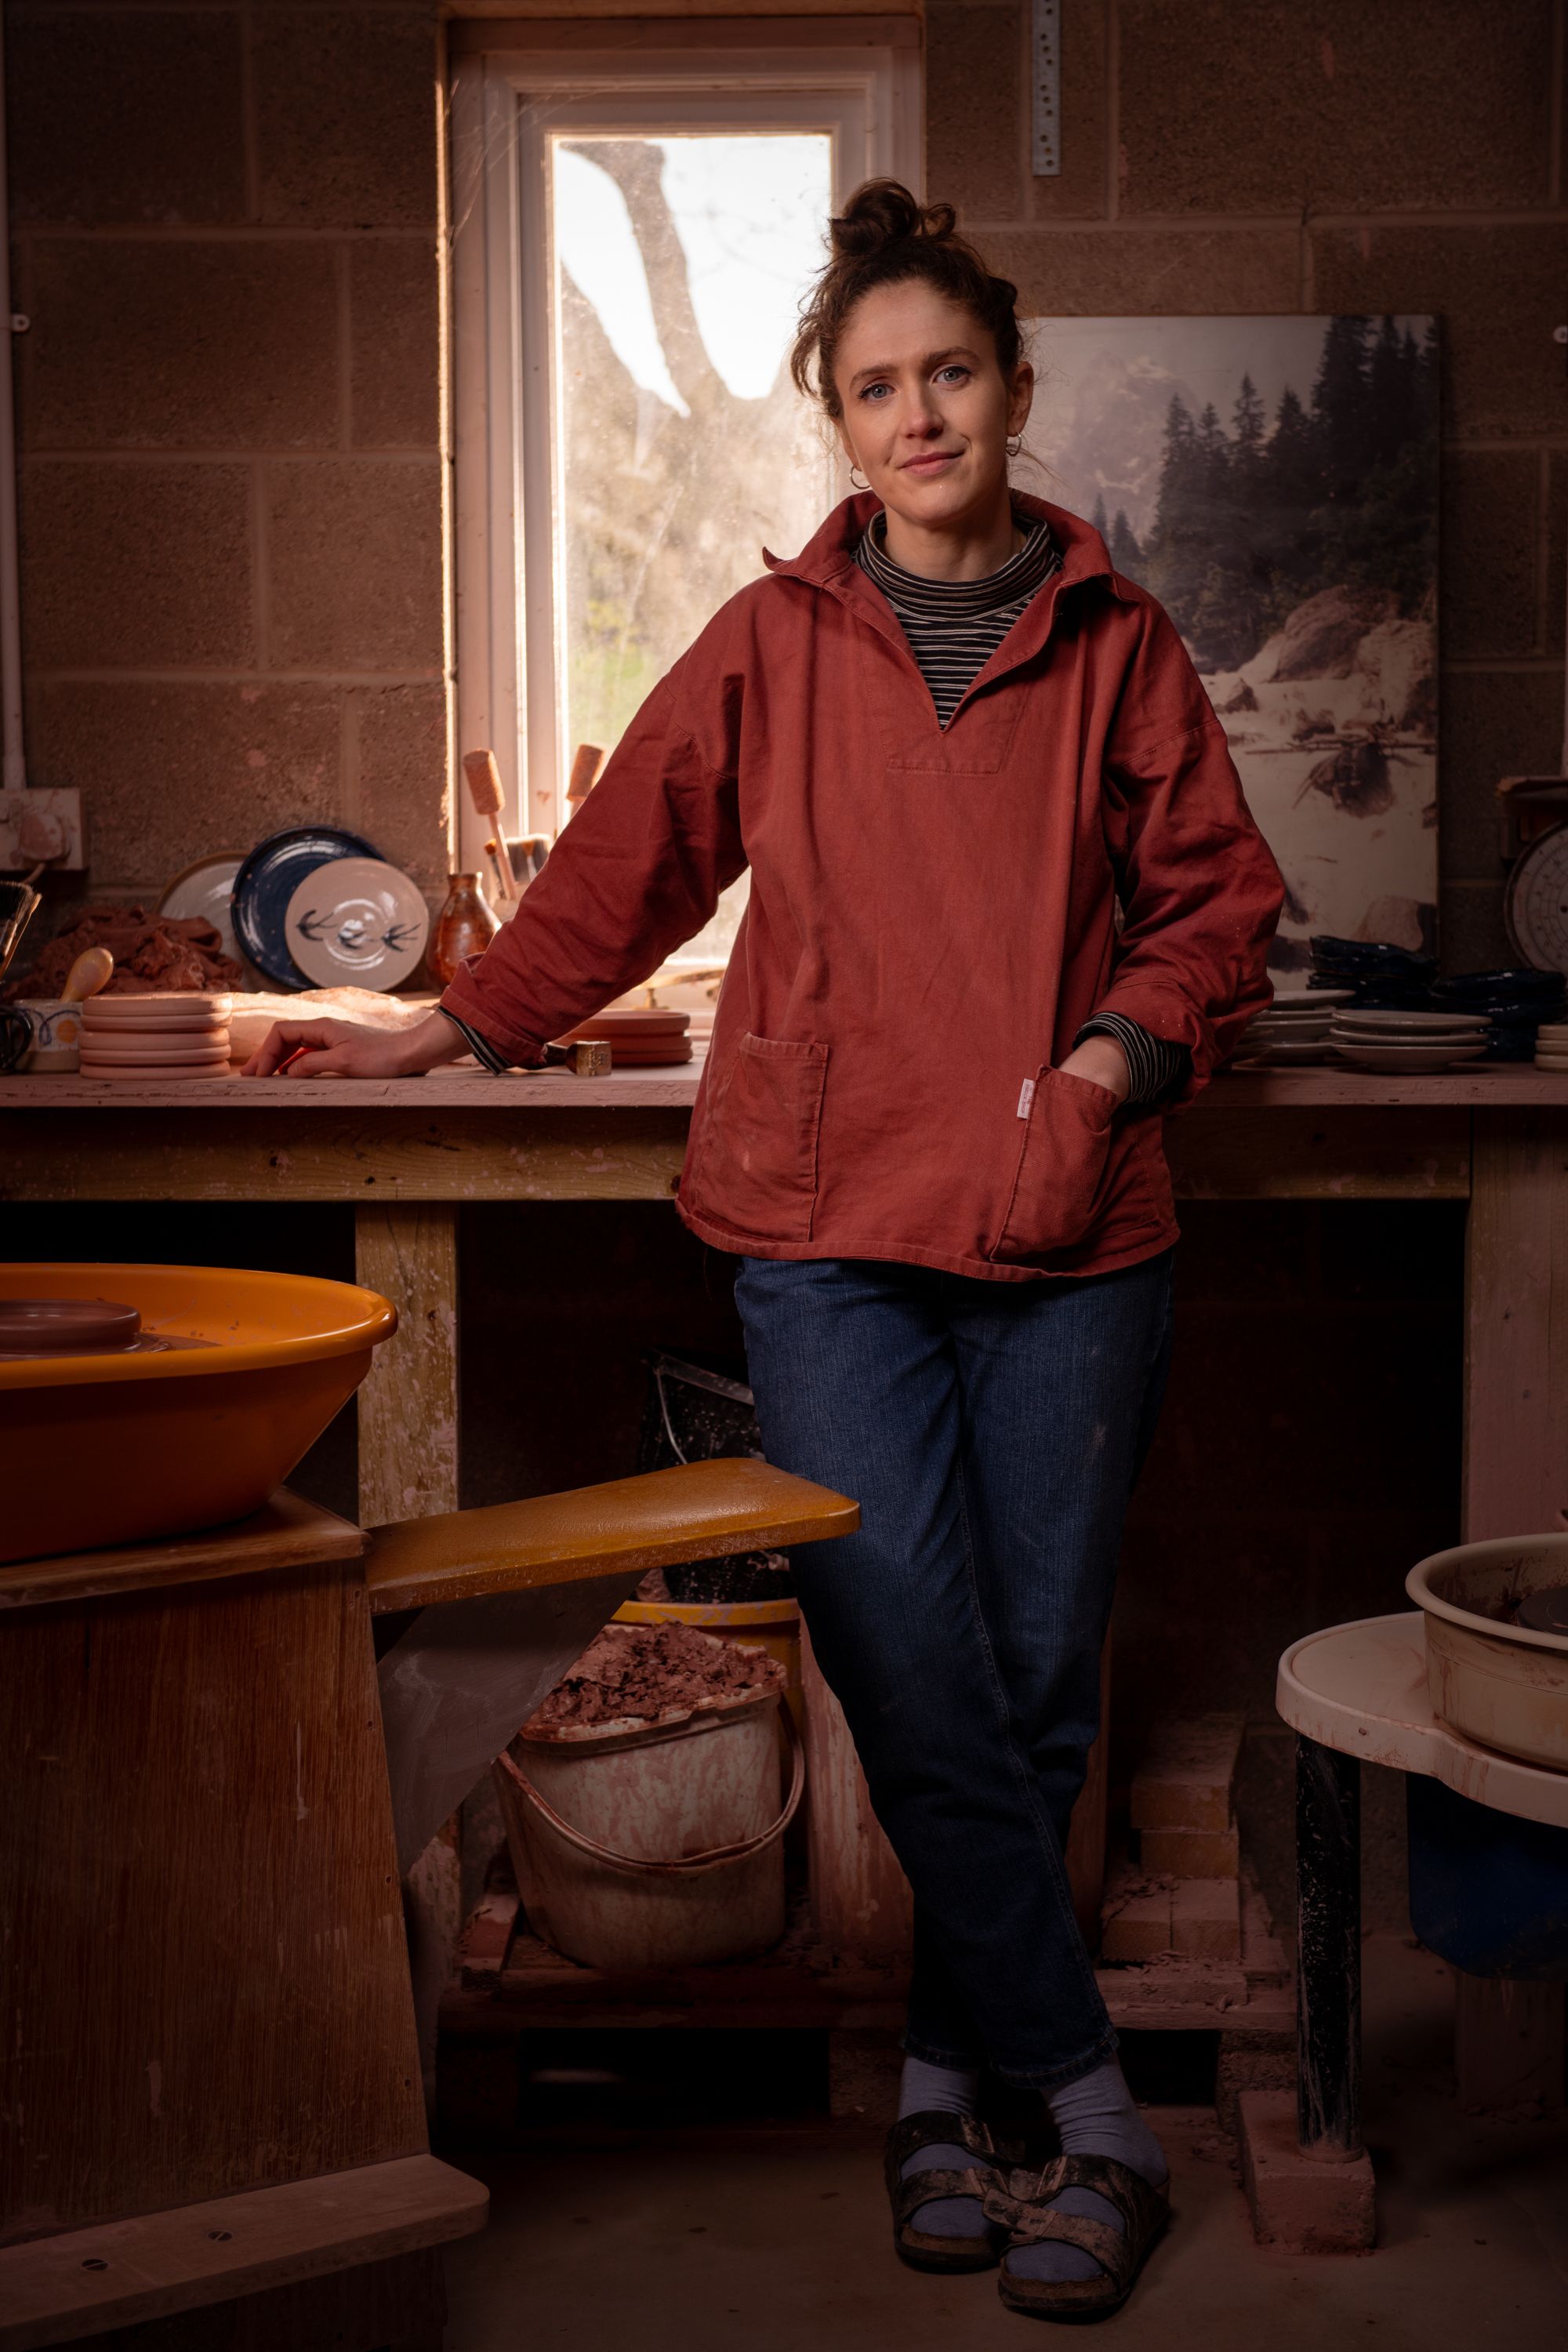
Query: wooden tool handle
(92,969)
(485,790)
(586,761)
(484,781)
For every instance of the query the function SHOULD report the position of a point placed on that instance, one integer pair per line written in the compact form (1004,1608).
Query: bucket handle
(687,1864)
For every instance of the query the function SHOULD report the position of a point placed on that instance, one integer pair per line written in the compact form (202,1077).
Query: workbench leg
(408,1470)
(1328,2006)
(1516,1483)
(408,1400)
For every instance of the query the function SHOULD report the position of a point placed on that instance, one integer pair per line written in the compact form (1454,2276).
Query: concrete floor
(778,2240)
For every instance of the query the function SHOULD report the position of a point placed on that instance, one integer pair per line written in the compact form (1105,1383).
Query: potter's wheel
(204,1387)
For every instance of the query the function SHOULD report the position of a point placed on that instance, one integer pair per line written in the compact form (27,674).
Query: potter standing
(1008,905)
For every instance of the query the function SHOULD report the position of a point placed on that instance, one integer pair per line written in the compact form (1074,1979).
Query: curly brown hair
(884,235)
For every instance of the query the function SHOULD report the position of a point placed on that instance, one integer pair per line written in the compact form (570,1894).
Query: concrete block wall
(1321,155)
(225,223)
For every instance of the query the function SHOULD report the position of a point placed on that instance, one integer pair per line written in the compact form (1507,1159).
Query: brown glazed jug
(465,926)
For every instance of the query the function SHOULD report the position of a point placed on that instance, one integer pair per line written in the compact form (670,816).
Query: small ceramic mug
(57,1035)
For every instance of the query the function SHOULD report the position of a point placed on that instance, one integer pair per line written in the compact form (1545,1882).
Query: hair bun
(882,212)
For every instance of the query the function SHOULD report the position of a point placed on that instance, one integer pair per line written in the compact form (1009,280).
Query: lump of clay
(151,952)
(647,1672)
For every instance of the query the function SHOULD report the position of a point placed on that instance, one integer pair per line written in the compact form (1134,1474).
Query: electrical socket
(41,826)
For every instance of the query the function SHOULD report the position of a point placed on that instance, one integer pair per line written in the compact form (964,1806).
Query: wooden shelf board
(1250,1087)
(287,1532)
(798,1987)
(84,2282)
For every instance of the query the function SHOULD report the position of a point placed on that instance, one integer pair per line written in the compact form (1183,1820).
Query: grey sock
(1095,2115)
(953,2091)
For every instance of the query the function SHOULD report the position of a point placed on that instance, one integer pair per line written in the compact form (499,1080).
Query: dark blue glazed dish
(269,879)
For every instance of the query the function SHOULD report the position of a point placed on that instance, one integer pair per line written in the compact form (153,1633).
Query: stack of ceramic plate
(1376,972)
(1404,1043)
(637,1037)
(1551,1045)
(1295,1028)
(182,1033)
(1516,1002)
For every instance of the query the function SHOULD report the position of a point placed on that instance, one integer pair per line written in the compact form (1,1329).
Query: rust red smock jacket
(931,915)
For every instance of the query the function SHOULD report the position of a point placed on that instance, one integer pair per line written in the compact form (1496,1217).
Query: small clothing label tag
(1025,1096)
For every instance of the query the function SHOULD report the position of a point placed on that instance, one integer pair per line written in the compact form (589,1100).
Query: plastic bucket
(655,1847)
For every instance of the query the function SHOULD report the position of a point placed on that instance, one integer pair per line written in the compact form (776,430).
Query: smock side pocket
(1061,1165)
(758,1166)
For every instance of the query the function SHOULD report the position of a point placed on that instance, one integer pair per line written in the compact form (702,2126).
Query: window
(634,227)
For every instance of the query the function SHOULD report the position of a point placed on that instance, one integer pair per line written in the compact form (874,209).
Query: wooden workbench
(409,1152)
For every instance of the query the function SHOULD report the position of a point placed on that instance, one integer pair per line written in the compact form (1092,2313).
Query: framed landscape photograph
(1273,481)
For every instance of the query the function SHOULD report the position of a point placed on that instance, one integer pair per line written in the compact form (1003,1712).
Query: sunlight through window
(681,447)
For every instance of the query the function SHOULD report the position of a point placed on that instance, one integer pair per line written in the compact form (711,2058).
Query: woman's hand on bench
(350,1049)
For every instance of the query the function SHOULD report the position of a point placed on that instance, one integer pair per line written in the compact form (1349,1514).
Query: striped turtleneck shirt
(953,627)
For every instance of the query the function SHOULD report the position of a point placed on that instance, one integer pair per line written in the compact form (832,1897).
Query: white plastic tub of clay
(1496,1681)
(658,1844)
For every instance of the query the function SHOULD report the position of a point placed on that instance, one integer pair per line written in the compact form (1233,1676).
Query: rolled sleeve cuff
(1156,1068)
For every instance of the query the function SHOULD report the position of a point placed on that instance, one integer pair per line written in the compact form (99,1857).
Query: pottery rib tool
(586,761)
(485,790)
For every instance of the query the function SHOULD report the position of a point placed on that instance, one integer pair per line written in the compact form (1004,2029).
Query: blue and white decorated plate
(357,922)
(267,881)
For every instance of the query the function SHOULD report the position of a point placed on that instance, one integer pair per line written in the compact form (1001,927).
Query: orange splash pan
(97,1450)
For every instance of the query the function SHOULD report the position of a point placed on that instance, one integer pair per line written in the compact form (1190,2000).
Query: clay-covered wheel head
(66,1326)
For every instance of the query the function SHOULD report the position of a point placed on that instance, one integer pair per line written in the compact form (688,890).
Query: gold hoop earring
(860,485)
(1013,444)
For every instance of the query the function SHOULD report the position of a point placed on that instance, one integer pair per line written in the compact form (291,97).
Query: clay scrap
(161,952)
(647,1672)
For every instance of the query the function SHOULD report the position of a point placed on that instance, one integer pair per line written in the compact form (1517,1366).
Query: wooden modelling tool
(91,971)
(586,761)
(587,1057)
(485,790)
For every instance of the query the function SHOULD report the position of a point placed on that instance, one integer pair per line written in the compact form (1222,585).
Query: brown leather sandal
(1021,2206)
(935,2128)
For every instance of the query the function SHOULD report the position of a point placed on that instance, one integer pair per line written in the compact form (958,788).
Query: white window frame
(510,85)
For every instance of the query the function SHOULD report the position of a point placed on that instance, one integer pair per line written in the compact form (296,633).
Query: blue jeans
(991,1432)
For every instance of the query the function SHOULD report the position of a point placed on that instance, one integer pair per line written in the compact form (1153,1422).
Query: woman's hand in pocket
(1103,1061)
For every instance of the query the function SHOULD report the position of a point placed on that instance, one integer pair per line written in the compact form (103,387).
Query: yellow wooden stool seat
(697,1511)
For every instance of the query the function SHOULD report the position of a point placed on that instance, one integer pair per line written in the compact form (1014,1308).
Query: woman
(957,751)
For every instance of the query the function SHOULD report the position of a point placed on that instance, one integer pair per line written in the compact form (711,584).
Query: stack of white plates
(1295,1028)
(1551,1045)
(1406,1044)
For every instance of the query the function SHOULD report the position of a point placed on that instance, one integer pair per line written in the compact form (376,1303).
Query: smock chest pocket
(757,1172)
(1061,1167)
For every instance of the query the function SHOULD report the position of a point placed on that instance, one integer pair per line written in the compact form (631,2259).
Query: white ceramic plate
(1413,1025)
(1411,1060)
(206,888)
(359,922)
(1443,1035)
